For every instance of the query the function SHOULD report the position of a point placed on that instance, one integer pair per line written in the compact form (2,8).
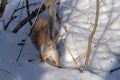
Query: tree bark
(51,5)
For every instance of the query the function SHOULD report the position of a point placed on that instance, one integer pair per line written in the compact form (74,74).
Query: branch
(11,19)
(96,45)
(2,7)
(24,41)
(26,6)
(92,35)
(115,69)
(28,10)
(31,16)
(31,27)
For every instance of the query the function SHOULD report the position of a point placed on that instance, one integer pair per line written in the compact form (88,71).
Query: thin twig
(58,34)
(28,11)
(12,17)
(20,52)
(7,24)
(21,13)
(27,5)
(31,16)
(39,10)
(23,42)
(115,69)
(70,52)
(29,33)
(84,53)
(91,36)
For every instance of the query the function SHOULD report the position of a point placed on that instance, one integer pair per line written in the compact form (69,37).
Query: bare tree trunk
(51,5)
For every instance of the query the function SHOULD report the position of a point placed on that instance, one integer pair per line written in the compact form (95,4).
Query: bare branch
(12,17)
(31,16)
(92,35)
(26,6)
(115,69)
(28,10)
(31,28)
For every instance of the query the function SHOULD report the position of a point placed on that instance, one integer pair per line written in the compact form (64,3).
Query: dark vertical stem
(28,10)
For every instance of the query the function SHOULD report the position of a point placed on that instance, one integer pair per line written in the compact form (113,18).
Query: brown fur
(44,44)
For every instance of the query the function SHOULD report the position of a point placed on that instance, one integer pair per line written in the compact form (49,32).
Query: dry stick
(66,31)
(20,14)
(84,54)
(92,35)
(31,16)
(29,5)
(2,7)
(28,11)
(69,52)
(26,6)
(39,10)
(22,46)
(68,47)
(115,69)
(64,41)
(29,33)
(12,17)
(10,20)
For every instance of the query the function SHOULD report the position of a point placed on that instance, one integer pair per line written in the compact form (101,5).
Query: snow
(104,57)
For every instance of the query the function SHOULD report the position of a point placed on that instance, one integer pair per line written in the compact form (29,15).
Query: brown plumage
(45,45)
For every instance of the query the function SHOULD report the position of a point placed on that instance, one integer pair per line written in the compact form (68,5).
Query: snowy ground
(104,57)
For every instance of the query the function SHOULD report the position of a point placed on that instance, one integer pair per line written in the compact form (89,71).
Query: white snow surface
(103,58)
